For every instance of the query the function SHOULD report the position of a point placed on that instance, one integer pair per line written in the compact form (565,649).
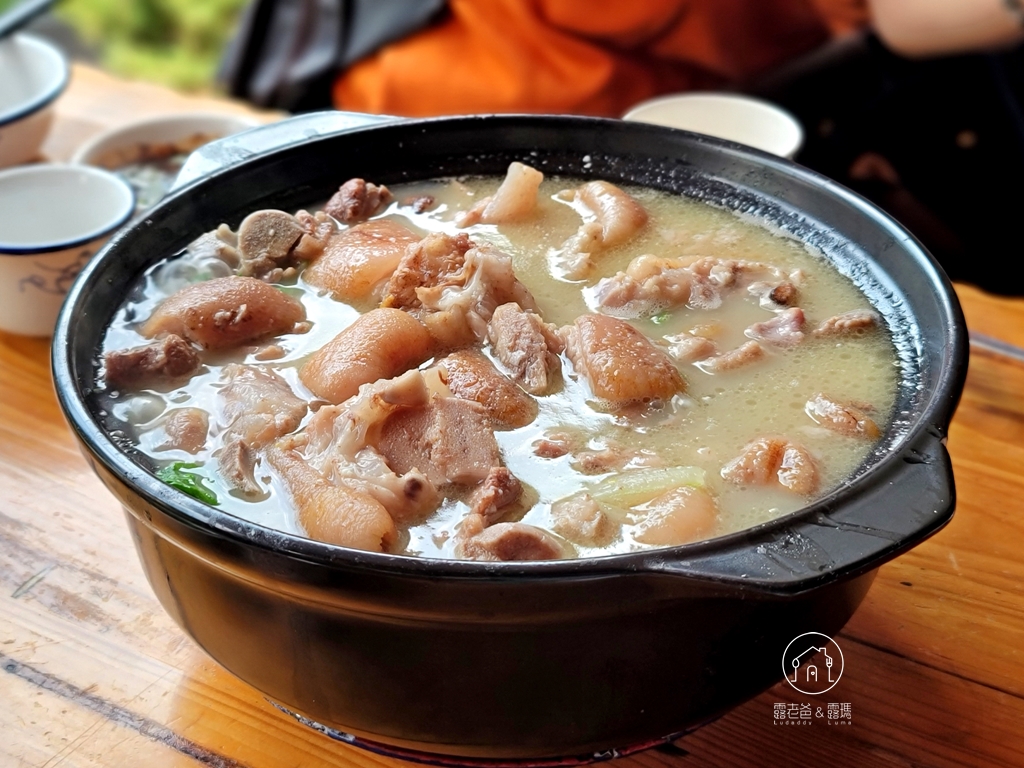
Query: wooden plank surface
(94,673)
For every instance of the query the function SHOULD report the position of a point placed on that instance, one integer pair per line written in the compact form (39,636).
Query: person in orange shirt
(594,57)
(599,57)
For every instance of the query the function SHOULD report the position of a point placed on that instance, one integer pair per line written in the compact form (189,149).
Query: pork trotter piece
(381,344)
(336,514)
(620,363)
(471,376)
(773,460)
(226,312)
(358,260)
(357,200)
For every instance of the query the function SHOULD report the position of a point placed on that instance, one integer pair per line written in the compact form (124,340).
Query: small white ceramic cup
(53,218)
(32,75)
(742,119)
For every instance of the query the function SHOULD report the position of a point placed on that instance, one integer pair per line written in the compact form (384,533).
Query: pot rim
(931,423)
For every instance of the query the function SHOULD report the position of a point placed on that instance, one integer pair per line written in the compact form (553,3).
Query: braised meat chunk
(355,262)
(357,200)
(614,218)
(527,347)
(168,359)
(848,322)
(333,513)
(506,542)
(498,491)
(783,330)
(453,286)
(515,200)
(845,419)
(256,407)
(449,440)
(265,242)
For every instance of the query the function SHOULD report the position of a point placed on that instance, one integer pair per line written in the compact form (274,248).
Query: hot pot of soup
(513,437)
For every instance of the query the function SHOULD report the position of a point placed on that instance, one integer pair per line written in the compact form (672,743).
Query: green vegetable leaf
(661,318)
(187,482)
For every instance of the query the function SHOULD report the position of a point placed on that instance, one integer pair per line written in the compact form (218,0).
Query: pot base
(454,761)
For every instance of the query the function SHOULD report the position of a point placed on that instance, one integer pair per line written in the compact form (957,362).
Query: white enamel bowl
(745,120)
(53,218)
(32,75)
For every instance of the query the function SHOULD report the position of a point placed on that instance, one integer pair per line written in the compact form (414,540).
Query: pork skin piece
(770,460)
(449,440)
(381,344)
(226,312)
(527,347)
(848,322)
(743,355)
(783,330)
(471,376)
(678,516)
(651,284)
(357,200)
(515,200)
(620,216)
(256,406)
(841,418)
(617,219)
(187,430)
(620,364)
(335,514)
(164,360)
(358,260)
(505,542)
(499,490)
(581,520)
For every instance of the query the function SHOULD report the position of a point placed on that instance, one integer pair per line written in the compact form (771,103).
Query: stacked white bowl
(53,217)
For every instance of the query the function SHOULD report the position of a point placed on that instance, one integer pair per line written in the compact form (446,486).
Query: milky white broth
(705,427)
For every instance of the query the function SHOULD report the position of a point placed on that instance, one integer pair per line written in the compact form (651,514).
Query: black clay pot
(546,659)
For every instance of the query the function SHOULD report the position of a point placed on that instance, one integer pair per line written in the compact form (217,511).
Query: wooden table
(94,673)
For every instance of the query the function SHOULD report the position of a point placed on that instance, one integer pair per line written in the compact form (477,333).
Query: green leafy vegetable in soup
(177,476)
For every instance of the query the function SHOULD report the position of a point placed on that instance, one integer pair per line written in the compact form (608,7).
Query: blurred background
(916,104)
(177,43)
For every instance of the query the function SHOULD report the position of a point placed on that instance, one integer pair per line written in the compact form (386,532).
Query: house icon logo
(812,663)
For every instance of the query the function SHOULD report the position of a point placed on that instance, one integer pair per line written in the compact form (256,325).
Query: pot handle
(234,149)
(913,498)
